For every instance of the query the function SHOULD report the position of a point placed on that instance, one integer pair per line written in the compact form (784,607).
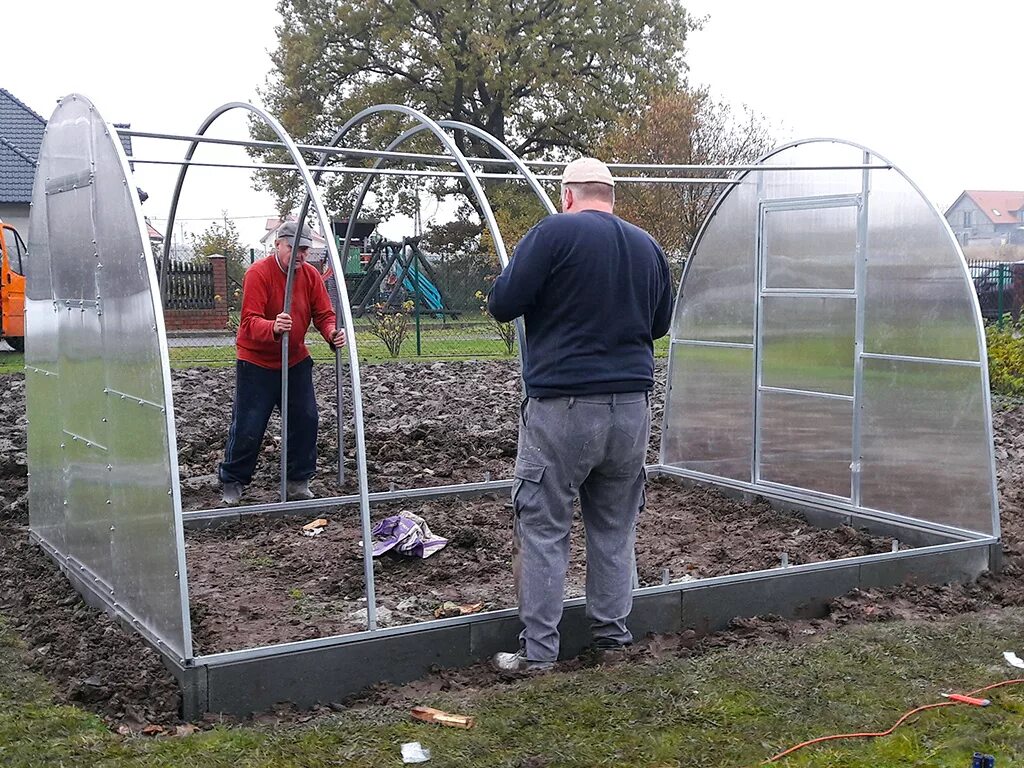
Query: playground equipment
(398,272)
(795,375)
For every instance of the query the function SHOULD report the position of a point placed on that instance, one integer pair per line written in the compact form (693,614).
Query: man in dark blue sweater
(594,293)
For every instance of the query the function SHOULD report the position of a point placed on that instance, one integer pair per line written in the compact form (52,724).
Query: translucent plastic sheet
(712,395)
(103,484)
(826,331)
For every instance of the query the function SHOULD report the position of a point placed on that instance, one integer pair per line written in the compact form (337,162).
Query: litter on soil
(426,424)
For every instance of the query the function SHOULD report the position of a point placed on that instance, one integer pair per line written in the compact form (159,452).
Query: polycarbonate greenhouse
(827,352)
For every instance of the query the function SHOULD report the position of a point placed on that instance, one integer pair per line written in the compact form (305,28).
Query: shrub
(506,331)
(391,325)
(1006,357)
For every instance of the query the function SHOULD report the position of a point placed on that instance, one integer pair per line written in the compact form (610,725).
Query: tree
(681,126)
(543,76)
(222,238)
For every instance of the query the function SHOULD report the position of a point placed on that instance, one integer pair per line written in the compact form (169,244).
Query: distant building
(987,217)
(21,134)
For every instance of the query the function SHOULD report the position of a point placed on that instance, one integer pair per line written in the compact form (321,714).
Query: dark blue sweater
(594,292)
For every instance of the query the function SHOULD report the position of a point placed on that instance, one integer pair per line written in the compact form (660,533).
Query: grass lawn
(371,350)
(732,707)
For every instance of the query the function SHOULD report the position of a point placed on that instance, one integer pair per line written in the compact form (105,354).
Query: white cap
(587,170)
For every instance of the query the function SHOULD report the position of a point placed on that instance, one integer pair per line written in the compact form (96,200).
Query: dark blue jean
(257,393)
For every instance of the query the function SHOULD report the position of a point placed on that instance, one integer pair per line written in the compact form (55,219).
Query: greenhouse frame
(827,353)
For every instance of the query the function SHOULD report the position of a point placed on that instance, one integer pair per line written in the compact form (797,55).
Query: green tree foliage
(544,76)
(222,238)
(681,126)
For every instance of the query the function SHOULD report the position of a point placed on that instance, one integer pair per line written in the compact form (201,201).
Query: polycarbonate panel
(710,411)
(806,442)
(718,298)
(807,343)
(920,301)
(924,443)
(812,183)
(826,260)
(925,438)
(100,427)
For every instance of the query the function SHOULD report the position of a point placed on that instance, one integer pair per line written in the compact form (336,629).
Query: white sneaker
(232,493)
(299,489)
(517,662)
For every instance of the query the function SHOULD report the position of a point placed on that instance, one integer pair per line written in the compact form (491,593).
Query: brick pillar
(220,289)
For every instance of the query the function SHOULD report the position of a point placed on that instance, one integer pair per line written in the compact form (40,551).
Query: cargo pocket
(526,484)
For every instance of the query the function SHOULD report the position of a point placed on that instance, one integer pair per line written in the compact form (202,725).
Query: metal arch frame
(169,416)
(807,495)
(332,251)
(426,123)
(321,167)
(236,681)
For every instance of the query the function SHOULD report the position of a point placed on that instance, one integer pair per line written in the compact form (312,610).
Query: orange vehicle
(12,287)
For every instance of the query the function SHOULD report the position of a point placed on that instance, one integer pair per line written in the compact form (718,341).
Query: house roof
(273,225)
(152,233)
(21,134)
(999,206)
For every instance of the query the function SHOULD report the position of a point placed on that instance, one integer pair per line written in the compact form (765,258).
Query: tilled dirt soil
(259,581)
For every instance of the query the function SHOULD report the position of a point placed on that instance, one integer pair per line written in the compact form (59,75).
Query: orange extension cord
(895,725)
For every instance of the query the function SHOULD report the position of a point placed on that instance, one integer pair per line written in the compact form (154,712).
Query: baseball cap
(587,169)
(287,232)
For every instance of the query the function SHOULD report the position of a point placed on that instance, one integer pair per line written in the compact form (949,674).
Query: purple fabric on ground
(407,534)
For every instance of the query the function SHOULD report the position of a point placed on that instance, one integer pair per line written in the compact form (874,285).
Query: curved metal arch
(528,176)
(332,251)
(426,123)
(446,141)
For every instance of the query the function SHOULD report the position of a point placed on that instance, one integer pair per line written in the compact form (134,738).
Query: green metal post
(999,295)
(416,283)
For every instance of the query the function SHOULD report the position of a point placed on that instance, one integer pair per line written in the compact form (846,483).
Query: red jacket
(263,300)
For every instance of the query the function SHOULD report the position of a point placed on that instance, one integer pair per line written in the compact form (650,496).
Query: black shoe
(607,651)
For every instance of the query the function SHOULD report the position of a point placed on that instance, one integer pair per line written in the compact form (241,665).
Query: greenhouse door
(807,328)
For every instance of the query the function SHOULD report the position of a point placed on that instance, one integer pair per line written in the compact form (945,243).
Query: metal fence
(1000,289)
(406,305)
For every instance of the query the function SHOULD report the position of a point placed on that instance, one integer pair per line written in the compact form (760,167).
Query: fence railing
(190,285)
(1000,288)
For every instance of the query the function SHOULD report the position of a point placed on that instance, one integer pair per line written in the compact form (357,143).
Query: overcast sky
(934,88)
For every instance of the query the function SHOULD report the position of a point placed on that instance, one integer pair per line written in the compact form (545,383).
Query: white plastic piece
(414,752)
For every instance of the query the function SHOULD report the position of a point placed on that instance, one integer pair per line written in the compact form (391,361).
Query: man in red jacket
(258,369)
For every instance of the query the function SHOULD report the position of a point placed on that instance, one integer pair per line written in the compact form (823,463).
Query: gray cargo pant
(594,447)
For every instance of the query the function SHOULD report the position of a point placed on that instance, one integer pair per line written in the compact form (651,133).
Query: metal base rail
(331,669)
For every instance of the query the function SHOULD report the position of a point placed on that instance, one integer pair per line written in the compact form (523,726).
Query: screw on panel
(109,467)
